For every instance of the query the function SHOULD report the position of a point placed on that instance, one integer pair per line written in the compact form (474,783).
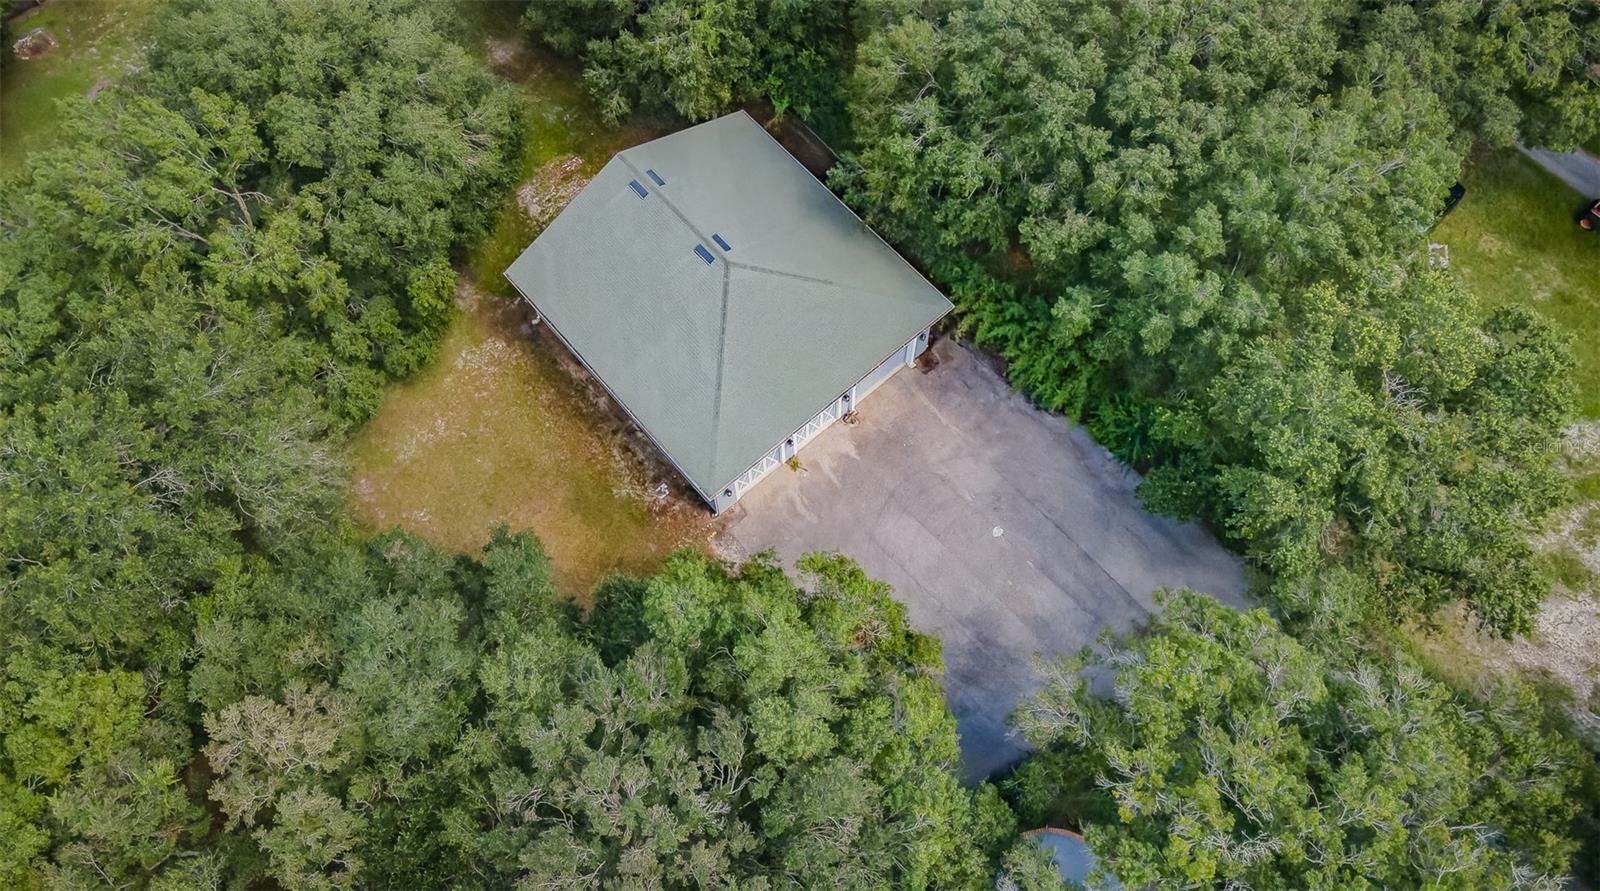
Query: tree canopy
(1232,755)
(699,59)
(390,715)
(196,298)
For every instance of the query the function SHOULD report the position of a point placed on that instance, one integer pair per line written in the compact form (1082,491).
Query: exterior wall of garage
(842,405)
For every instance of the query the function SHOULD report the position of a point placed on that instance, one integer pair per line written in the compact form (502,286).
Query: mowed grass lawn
(99,39)
(498,430)
(1512,238)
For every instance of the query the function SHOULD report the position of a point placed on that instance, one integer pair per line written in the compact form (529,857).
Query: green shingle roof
(719,362)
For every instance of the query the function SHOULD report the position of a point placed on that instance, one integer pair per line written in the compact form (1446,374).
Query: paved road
(1578,169)
(1004,529)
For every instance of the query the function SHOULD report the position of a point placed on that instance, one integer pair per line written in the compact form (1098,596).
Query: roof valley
(722,354)
(718,389)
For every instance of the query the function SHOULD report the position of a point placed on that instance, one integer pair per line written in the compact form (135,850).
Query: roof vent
(634,185)
(655,177)
(704,254)
(721,242)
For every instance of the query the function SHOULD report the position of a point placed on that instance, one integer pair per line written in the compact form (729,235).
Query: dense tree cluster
(216,278)
(1233,756)
(391,716)
(697,59)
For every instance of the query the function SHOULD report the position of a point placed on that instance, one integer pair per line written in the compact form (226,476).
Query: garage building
(726,299)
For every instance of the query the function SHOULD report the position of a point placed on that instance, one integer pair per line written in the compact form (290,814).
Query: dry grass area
(1559,656)
(500,430)
(505,427)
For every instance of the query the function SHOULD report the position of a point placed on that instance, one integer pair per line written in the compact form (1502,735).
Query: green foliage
(1029,866)
(1524,71)
(86,770)
(238,248)
(320,192)
(432,290)
(1233,754)
(741,731)
(569,27)
(1185,224)
(1396,415)
(745,733)
(1128,426)
(389,148)
(616,621)
(699,59)
(687,55)
(270,760)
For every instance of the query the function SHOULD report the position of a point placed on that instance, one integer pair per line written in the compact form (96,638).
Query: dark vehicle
(1457,192)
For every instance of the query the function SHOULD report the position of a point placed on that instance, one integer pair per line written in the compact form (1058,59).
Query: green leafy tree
(1029,866)
(694,56)
(569,27)
(733,729)
(1395,435)
(699,59)
(1523,71)
(89,790)
(271,760)
(336,690)
(330,191)
(1232,754)
(242,243)
(750,733)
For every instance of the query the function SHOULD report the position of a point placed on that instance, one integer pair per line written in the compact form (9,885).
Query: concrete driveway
(1005,530)
(1578,169)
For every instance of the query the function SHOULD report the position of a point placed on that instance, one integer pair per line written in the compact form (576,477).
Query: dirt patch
(651,477)
(1581,443)
(641,471)
(556,184)
(1560,651)
(1562,644)
(34,44)
(510,58)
